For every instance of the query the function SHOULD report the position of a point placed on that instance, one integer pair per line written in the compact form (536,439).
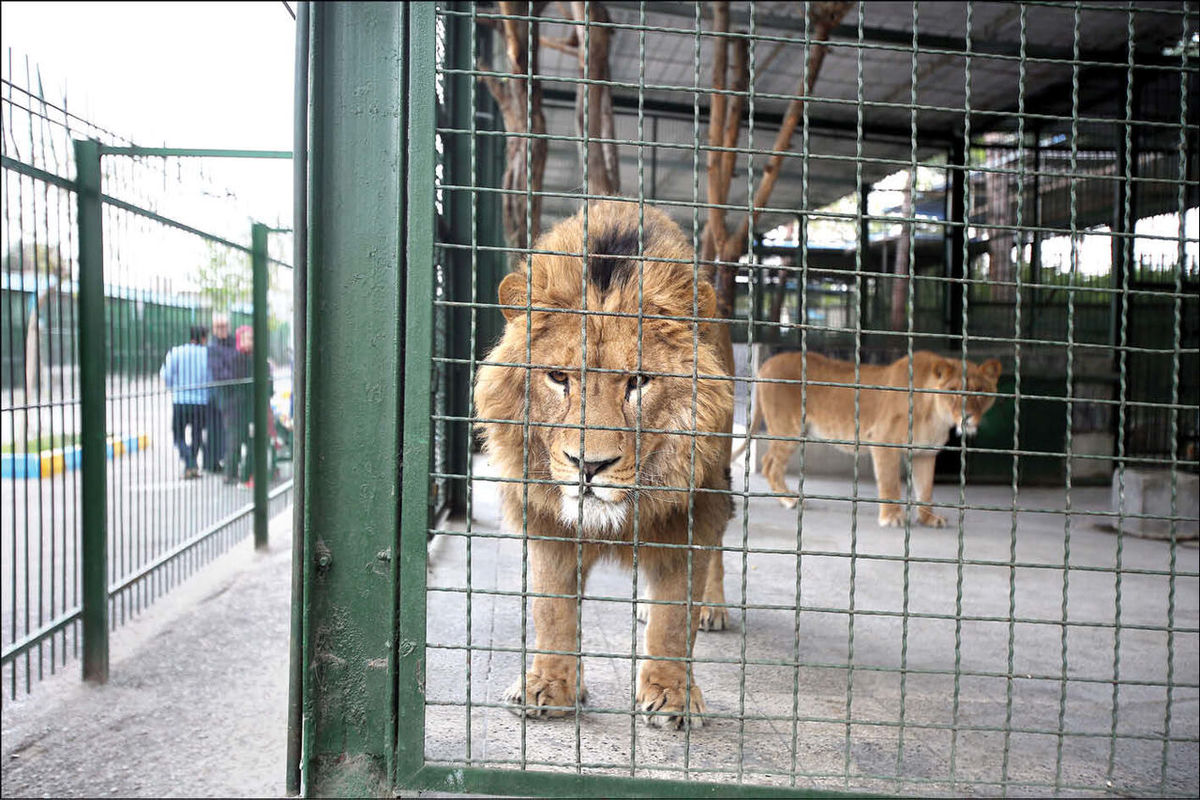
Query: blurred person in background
(185,372)
(239,407)
(221,355)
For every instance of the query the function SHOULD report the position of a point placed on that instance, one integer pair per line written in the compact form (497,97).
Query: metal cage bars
(432,147)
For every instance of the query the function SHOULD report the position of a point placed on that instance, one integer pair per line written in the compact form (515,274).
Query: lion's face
(980,378)
(624,412)
(610,421)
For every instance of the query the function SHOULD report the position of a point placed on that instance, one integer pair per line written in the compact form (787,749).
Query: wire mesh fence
(176,388)
(958,241)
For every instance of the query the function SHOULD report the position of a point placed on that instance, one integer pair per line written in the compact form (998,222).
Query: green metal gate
(1043,642)
(113,256)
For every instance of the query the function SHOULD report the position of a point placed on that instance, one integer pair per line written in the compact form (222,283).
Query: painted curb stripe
(63,459)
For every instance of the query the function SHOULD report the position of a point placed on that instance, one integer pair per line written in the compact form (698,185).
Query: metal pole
(1035,258)
(955,265)
(357,226)
(864,249)
(458,434)
(299,350)
(92,403)
(262,381)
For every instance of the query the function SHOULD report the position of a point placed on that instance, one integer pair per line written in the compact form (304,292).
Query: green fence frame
(364,569)
(96,590)
(94,321)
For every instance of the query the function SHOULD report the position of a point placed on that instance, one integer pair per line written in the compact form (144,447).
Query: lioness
(882,414)
(578,486)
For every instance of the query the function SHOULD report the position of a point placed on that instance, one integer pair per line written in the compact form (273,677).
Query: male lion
(882,414)
(594,447)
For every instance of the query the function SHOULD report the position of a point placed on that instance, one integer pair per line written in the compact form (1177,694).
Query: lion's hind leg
(774,465)
(714,616)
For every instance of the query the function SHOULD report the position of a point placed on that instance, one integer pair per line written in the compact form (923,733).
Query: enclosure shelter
(956,184)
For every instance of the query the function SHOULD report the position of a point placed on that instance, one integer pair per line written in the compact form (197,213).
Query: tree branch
(562,45)
(716,123)
(825,16)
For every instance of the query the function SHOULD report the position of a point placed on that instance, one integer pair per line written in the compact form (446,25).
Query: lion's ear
(512,293)
(991,368)
(706,300)
(944,369)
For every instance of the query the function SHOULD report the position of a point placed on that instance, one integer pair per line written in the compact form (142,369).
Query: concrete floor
(197,703)
(822,666)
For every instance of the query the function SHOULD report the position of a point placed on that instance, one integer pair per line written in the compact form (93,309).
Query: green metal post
(295,738)
(956,234)
(460,32)
(356,236)
(418,355)
(262,381)
(92,400)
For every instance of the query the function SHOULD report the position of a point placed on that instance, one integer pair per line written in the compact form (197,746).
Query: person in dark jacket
(221,355)
(239,406)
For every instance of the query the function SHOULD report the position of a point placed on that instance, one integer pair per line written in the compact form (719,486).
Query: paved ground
(197,702)
(808,662)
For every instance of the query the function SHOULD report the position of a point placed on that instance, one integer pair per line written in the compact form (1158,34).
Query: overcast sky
(184,74)
(203,75)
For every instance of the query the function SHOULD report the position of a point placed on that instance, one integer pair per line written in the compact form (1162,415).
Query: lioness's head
(612,407)
(948,375)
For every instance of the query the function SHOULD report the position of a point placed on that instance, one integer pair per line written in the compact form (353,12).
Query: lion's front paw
(788,502)
(927,517)
(542,694)
(665,700)
(714,618)
(891,517)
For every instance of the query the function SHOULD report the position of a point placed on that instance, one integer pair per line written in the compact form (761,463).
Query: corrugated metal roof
(662,70)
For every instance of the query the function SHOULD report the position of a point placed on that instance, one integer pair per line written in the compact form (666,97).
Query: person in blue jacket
(185,372)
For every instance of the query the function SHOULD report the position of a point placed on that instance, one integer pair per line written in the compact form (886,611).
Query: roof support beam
(628,104)
(902,38)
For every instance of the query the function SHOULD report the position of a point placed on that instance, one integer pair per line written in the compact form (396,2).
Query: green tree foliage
(225,279)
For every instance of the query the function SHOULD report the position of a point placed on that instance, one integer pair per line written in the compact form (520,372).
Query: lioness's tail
(755,424)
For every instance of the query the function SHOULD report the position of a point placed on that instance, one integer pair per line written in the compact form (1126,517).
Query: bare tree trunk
(825,17)
(715,227)
(1000,240)
(594,122)
(717,243)
(519,96)
(725,120)
(781,277)
(903,264)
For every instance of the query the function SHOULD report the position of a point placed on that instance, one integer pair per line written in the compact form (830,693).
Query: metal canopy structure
(965,57)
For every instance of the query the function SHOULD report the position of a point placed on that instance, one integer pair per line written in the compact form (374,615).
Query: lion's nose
(591,469)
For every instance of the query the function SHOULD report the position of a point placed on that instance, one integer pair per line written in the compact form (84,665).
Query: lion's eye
(558,376)
(635,383)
